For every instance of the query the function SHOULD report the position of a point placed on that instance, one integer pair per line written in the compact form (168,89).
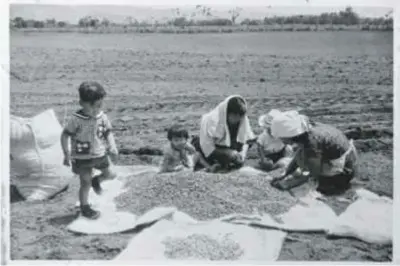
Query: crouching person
(224,135)
(323,150)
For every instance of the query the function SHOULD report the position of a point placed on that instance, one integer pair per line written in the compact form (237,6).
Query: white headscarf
(289,124)
(214,128)
(266,120)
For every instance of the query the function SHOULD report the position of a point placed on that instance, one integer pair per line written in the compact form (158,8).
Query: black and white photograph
(200,132)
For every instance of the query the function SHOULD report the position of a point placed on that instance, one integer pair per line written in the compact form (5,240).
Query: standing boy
(91,143)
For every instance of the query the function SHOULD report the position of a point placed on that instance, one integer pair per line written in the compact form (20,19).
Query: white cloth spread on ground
(214,129)
(369,218)
(111,220)
(228,238)
(310,215)
(177,236)
(37,168)
(203,241)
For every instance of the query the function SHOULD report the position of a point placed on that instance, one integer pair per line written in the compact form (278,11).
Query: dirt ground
(341,78)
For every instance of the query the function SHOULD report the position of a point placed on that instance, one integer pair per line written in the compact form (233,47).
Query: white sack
(37,168)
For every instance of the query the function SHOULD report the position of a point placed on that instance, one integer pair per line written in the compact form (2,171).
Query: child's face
(234,119)
(92,109)
(178,142)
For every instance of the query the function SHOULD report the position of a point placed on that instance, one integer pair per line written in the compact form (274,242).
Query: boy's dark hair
(91,91)
(177,131)
(236,105)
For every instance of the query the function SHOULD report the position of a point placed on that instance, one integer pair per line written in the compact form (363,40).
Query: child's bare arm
(69,130)
(190,148)
(166,165)
(261,152)
(65,148)
(111,143)
(112,148)
(243,153)
(288,151)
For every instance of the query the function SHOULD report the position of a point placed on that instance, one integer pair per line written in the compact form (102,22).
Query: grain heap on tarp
(205,241)
(205,196)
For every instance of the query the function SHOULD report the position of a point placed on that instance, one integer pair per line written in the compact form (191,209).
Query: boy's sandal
(89,213)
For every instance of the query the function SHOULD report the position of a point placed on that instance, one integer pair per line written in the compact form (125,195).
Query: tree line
(345,17)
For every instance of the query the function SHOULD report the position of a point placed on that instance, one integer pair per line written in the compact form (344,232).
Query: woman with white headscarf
(224,135)
(323,150)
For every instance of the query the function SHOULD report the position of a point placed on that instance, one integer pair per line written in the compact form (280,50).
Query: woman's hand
(266,164)
(279,184)
(179,168)
(240,158)
(276,180)
(213,168)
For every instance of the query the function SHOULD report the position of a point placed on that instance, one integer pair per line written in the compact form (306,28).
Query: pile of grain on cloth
(206,241)
(205,196)
(222,210)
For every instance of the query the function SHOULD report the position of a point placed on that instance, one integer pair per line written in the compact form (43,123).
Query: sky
(73,10)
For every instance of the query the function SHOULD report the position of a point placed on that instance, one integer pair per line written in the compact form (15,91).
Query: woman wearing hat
(272,151)
(324,150)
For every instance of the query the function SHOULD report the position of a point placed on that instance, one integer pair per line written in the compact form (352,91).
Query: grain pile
(201,246)
(202,195)
(207,241)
